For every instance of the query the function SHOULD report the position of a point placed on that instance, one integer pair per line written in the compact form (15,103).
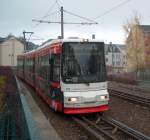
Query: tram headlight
(103,97)
(72,99)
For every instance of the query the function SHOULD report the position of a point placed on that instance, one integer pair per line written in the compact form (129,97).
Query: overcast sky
(17,15)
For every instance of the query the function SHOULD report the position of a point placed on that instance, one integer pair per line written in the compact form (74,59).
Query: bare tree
(135,44)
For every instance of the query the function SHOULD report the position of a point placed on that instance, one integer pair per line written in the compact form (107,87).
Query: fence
(144,75)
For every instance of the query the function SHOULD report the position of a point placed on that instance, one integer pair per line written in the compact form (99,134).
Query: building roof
(116,48)
(2,39)
(30,45)
(145,28)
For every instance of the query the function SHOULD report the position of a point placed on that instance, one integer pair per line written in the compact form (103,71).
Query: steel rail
(136,134)
(137,99)
(133,88)
(100,129)
(88,129)
(108,128)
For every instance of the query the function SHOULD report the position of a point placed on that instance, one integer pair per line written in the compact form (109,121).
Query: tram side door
(55,92)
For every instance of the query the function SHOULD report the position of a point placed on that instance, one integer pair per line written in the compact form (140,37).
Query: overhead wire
(46,16)
(58,4)
(106,12)
(28,40)
(35,37)
(85,18)
(47,13)
(51,8)
(112,9)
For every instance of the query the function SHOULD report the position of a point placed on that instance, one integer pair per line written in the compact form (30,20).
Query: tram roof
(55,41)
(70,40)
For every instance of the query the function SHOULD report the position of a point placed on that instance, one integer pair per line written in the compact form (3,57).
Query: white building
(115,56)
(10,47)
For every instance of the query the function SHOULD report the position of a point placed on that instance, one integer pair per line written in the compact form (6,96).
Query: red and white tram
(69,74)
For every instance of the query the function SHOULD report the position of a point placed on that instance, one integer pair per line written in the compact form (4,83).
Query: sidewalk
(39,126)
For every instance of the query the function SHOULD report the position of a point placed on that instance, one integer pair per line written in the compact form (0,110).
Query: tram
(69,74)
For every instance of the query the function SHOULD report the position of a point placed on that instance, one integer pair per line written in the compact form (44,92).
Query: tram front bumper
(85,110)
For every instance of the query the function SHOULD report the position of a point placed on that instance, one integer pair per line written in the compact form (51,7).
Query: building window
(106,59)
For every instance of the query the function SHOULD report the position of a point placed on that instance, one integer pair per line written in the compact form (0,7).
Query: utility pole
(24,40)
(112,56)
(93,36)
(24,37)
(61,22)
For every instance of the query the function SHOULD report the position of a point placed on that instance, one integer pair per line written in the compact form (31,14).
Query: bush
(2,81)
(2,95)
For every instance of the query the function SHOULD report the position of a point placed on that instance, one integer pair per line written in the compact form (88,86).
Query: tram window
(55,68)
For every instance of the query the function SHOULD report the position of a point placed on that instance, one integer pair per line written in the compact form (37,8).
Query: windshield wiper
(85,82)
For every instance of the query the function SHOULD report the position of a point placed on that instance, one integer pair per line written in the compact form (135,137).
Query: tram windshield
(83,62)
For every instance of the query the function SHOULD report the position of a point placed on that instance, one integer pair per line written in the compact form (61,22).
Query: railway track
(134,89)
(100,127)
(136,99)
(105,128)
